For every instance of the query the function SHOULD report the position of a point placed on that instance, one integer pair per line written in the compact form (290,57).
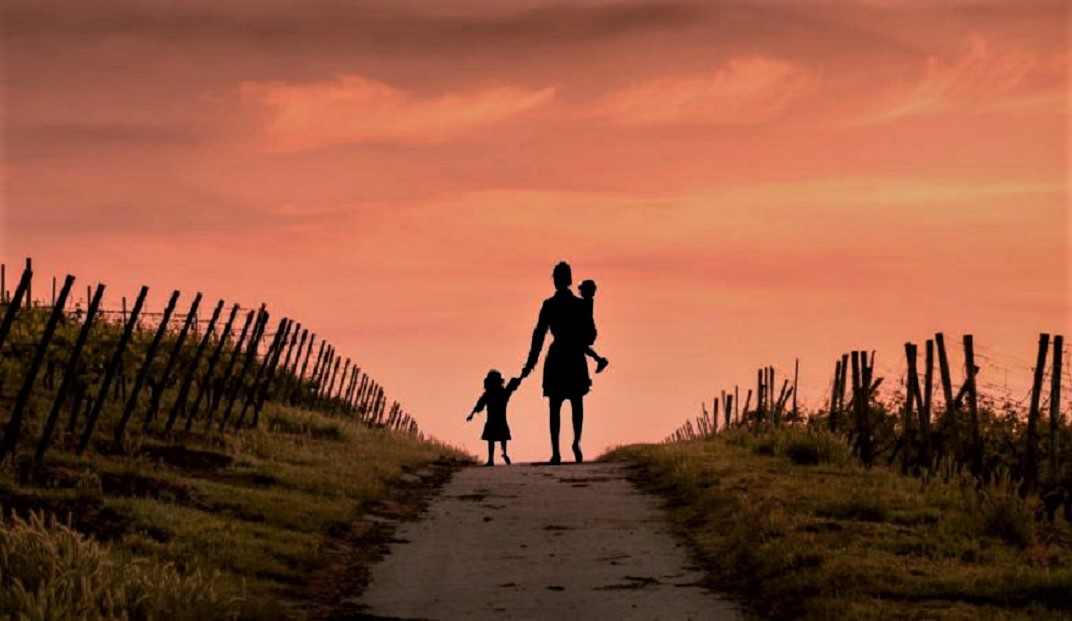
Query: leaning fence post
(973,408)
(1055,409)
(224,380)
(296,391)
(14,423)
(146,365)
(69,375)
(109,374)
(29,283)
(173,359)
(14,307)
(188,377)
(950,420)
(255,395)
(251,354)
(911,399)
(210,368)
(1031,468)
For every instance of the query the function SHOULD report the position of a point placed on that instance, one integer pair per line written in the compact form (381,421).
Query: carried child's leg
(506,457)
(491,453)
(601,362)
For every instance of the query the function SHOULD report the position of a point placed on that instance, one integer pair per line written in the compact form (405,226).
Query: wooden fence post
(69,375)
(973,407)
(1031,467)
(251,353)
(188,377)
(761,401)
(300,375)
(1055,409)
(290,375)
(867,451)
(210,368)
(949,421)
(856,400)
(334,374)
(319,359)
(286,360)
(269,380)
(925,408)
(224,381)
(172,360)
(342,379)
(3,284)
(834,396)
(911,392)
(14,423)
(113,368)
(13,308)
(255,394)
(796,378)
(29,284)
(143,373)
(321,378)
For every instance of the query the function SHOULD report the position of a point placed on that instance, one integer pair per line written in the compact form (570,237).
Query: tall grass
(50,571)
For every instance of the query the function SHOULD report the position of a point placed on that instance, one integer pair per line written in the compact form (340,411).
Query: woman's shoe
(577,453)
(555,460)
(489,464)
(506,458)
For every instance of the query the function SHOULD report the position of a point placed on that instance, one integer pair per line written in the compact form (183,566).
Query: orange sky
(747,181)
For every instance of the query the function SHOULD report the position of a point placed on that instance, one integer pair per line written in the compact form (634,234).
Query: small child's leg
(491,453)
(506,457)
(601,362)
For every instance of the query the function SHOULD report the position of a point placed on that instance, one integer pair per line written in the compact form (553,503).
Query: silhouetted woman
(565,371)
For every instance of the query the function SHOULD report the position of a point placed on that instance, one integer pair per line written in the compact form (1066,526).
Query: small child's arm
(478,407)
(513,384)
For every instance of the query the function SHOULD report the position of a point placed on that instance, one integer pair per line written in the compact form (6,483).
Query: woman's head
(493,380)
(563,276)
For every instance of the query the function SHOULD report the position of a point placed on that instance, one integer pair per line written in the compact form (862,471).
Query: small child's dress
(495,428)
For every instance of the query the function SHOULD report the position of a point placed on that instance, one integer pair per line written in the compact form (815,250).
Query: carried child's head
(493,381)
(587,289)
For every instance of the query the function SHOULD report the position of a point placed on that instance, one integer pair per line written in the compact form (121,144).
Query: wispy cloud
(744,91)
(982,78)
(353,109)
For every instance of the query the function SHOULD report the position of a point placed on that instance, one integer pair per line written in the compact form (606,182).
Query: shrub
(802,453)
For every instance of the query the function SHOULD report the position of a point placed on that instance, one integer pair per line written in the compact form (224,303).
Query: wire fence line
(108,368)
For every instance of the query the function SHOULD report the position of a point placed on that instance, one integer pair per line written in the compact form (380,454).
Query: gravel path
(538,542)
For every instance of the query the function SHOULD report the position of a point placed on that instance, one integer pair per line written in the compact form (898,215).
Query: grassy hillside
(226,526)
(790,522)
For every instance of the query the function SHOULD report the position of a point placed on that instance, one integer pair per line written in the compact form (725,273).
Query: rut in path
(538,542)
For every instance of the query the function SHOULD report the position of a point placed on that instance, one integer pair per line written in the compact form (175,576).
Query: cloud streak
(354,110)
(982,78)
(745,91)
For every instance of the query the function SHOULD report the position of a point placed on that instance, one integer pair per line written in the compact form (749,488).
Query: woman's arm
(542,323)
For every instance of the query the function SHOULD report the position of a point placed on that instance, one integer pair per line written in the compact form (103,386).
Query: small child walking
(495,398)
(588,294)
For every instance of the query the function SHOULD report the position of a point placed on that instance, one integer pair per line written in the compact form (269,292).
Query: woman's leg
(577,408)
(556,423)
(506,457)
(491,452)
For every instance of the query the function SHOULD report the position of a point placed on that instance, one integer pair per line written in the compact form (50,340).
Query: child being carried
(588,294)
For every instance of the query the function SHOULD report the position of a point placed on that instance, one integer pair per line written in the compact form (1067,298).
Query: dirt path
(538,542)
